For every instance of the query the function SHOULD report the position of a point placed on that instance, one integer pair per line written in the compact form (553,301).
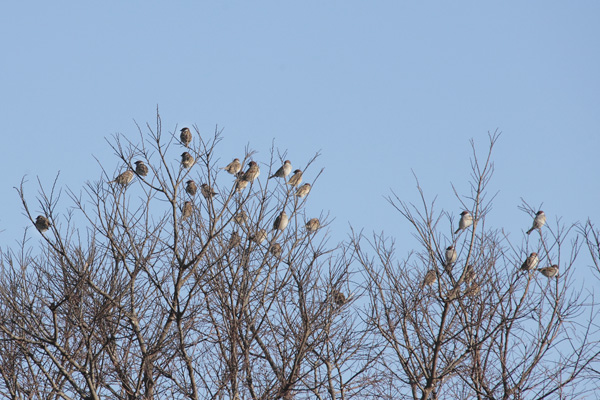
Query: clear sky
(380,88)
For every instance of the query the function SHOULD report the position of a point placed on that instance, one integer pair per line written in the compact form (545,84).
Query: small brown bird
(234,167)
(187,210)
(207,191)
(191,188)
(140,168)
(235,240)
(259,236)
(338,297)
(454,293)
(538,221)
(430,278)
(283,171)
(124,178)
(241,184)
(466,220)
(252,173)
(530,262)
(187,160)
(549,272)
(275,249)
(450,256)
(469,274)
(42,223)
(240,218)
(313,224)
(186,137)
(303,190)
(296,179)
(281,221)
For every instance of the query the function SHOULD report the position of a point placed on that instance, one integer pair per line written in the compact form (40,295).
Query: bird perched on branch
(42,223)
(549,272)
(313,224)
(430,278)
(450,258)
(281,221)
(207,191)
(124,178)
(185,136)
(252,173)
(191,187)
(186,160)
(538,221)
(240,218)
(338,297)
(530,262)
(241,184)
(235,240)
(466,220)
(296,179)
(233,167)
(140,168)
(303,190)
(187,210)
(283,171)
(259,236)
(275,249)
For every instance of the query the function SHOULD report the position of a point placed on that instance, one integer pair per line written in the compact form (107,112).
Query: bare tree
(461,318)
(145,289)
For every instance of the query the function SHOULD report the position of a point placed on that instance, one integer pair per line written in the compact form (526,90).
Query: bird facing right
(303,190)
(538,221)
(233,167)
(530,262)
(466,220)
(296,179)
(283,171)
(549,272)
(124,178)
(313,224)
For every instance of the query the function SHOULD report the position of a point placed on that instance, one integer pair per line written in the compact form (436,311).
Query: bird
(450,257)
(187,210)
(473,290)
(207,191)
(235,240)
(303,190)
(466,220)
(241,184)
(42,223)
(283,171)
(430,278)
(186,160)
(296,179)
(549,272)
(124,178)
(538,221)
(185,136)
(453,293)
(281,221)
(275,249)
(259,236)
(140,168)
(530,262)
(240,218)
(338,297)
(313,224)
(191,187)
(233,167)
(469,274)
(252,172)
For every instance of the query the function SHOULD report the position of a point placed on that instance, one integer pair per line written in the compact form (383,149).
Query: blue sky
(380,88)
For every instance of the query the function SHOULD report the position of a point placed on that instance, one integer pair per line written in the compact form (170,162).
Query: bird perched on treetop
(42,223)
(296,179)
(186,160)
(233,167)
(283,171)
(252,173)
(303,190)
(466,220)
(185,136)
(281,221)
(191,187)
(549,272)
(140,168)
(530,262)
(124,178)
(207,191)
(538,221)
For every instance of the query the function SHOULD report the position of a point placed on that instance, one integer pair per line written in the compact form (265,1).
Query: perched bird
(185,136)
(252,173)
(283,171)
(450,255)
(473,290)
(275,249)
(296,179)
(207,191)
(303,190)
(549,272)
(469,274)
(42,223)
(538,221)
(234,167)
(466,220)
(530,262)
(140,168)
(191,188)
(430,278)
(281,221)
(240,218)
(259,236)
(338,297)
(124,178)
(187,210)
(235,240)
(454,293)
(241,185)
(313,224)
(186,160)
